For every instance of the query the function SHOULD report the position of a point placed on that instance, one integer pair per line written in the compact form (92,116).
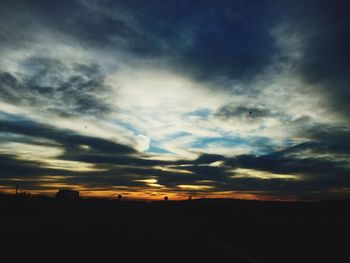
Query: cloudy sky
(230,99)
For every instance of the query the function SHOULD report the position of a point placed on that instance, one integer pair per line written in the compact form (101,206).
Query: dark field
(189,231)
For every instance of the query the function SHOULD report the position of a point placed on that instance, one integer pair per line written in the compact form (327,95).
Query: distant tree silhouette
(166,198)
(119,197)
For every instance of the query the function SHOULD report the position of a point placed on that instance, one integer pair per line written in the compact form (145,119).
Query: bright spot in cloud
(194,187)
(142,143)
(26,151)
(71,166)
(250,173)
(148,181)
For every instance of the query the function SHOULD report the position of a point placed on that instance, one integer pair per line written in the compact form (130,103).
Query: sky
(215,99)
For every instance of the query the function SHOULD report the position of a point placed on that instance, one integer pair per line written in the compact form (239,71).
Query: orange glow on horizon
(147,194)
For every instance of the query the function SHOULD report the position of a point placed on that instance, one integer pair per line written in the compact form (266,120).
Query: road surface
(183,232)
(106,231)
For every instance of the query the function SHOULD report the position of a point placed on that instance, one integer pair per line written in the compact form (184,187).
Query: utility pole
(16,189)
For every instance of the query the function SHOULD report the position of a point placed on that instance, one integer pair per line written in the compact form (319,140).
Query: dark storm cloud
(32,174)
(233,111)
(134,160)
(213,39)
(320,156)
(327,138)
(58,87)
(324,27)
(312,168)
(16,25)
(106,158)
(13,168)
(67,138)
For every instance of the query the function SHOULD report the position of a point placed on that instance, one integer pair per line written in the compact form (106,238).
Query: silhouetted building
(67,194)
(23,194)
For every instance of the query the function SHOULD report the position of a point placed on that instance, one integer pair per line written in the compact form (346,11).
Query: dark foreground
(192,231)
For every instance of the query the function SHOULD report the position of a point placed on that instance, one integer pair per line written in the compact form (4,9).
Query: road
(182,232)
(106,231)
